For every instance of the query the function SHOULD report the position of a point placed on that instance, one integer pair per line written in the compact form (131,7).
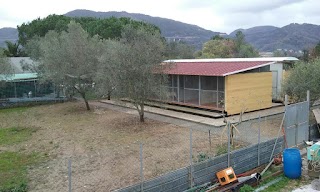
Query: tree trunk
(109,95)
(83,95)
(141,113)
(57,91)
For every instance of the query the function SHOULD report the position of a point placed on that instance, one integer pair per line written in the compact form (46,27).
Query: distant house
(231,85)
(23,82)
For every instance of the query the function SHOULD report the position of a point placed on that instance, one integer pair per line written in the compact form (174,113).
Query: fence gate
(297,123)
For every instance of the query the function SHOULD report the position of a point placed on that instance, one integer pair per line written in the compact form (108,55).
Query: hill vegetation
(170,29)
(263,38)
(293,36)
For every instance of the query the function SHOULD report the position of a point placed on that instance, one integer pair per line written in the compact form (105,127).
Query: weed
(14,135)
(202,156)
(246,188)
(13,170)
(14,110)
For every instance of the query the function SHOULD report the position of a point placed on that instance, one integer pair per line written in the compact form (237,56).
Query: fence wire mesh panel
(297,123)
(91,172)
(114,151)
(245,133)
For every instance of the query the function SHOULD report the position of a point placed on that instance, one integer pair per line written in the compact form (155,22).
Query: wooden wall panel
(251,91)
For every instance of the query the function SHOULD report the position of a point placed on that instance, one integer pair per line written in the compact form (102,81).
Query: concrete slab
(216,122)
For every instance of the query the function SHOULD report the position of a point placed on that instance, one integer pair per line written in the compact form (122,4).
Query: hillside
(8,34)
(169,28)
(293,36)
(264,38)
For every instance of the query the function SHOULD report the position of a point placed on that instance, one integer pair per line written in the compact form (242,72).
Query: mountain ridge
(171,29)
(264,38)
(291,37)
(8,34)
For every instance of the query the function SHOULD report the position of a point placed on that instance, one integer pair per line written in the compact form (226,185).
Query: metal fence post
(259,127)
(191,176)
(141,168)
(228,144)
(69,174)
(307,135)
(210,142)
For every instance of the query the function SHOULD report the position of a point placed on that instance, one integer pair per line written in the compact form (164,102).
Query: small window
(208,83)
(220,83)
(181,81)
(192,82)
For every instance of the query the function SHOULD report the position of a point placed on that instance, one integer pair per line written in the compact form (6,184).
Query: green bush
(202,156)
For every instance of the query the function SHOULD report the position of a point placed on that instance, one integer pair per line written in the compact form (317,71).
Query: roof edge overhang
(271,59)
(248,69)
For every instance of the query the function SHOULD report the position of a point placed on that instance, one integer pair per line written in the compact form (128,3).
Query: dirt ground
(103,146)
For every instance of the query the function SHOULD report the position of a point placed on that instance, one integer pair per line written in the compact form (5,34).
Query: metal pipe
(141,168)
(191,176)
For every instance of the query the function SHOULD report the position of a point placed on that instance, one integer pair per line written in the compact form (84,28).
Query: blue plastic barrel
(292,163)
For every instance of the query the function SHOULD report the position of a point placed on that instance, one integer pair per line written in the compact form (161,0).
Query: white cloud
(216,15)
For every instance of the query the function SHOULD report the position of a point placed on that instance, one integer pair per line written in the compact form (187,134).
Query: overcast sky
(215,15)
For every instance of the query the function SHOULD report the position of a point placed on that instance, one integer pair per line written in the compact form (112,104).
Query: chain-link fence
(148,158)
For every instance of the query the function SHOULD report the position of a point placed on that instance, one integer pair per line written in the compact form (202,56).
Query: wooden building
(231,85)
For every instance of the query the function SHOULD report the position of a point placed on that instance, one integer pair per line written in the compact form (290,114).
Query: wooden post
(141,168)
(259,140)
(210,141)
(191,176)
(228,144)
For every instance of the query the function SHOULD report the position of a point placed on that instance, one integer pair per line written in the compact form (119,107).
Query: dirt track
(103,146)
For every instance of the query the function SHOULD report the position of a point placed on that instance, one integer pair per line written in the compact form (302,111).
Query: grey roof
(17,62)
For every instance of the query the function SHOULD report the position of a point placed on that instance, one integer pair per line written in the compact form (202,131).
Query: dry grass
(102,144)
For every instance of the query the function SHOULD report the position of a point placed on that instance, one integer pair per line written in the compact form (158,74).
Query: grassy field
(36,144)
(14,163)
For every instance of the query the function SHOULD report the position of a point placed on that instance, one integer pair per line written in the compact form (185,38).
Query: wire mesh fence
(149,158)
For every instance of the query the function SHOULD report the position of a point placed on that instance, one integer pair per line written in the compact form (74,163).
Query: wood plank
(196,110)
(251,91)
(316,113)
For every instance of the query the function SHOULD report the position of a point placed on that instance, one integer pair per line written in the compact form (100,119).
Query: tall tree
(218,48)
(317,50)
(105,79)
(5,66)
(242,48)
(179,50)
(5,69)
(70,59)
(105,28)
(13,49)
(139,56)
(304,76)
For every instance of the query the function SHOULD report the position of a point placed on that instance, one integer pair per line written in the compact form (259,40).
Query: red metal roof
(213,68)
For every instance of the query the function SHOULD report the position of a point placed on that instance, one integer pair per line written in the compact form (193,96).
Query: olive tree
(105,79)
(5,66)
(5,70)
(303,77)
(139,57)
(69,59)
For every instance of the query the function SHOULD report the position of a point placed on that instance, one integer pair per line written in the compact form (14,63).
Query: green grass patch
(14,110)
(15,135)
(13,170)
(277,186)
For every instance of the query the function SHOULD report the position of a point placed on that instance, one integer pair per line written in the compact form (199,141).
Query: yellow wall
(251,91)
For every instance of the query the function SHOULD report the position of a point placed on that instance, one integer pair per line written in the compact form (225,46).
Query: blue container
(292,163)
